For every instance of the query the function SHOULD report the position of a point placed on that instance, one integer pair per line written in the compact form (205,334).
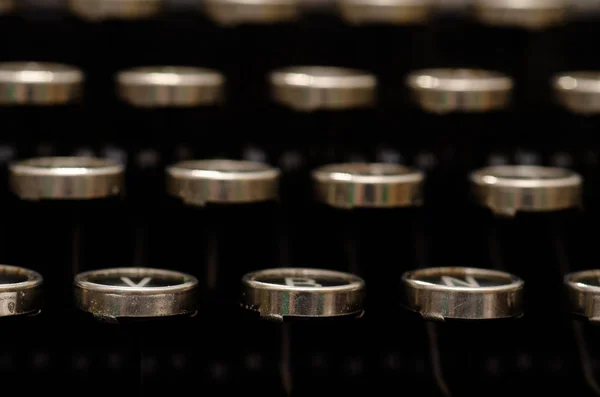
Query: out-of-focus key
(34,95)
(357,204)
(65,218)
(525,39)
(222,223)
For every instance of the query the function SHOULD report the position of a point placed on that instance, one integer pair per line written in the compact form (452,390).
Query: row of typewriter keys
(220,224)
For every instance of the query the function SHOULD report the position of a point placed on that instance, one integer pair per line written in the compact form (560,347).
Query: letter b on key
(301,282)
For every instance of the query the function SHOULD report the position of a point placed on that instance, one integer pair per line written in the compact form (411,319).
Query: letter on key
(135,292)
(462,293)
(296,292)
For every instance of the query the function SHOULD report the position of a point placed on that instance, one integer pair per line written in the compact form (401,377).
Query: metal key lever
(301,298)
(134,298)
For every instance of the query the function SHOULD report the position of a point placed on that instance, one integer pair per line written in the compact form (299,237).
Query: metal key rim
(82,282)
(525,176)
(515,283)
(34,279)
(354,282)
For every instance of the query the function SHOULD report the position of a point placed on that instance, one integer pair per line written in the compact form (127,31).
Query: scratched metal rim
(278,302)
(439,302)
(583,297)
(411,279)
(20,298)
(110,303)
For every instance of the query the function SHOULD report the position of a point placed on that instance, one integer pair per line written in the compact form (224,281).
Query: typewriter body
(280,197)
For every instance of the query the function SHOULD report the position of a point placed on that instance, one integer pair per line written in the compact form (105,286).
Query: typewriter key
(463,293)
(463,109)
(524,39)
(358,204)
(530,216)
(328,105)
(221,223)
(399,24)
(577,95)
(309,308)
(583,289)
(20,298)
(463,114)
(129,28)
(128,304)
(64,219)
(262,29)
(34,95)
(472,314)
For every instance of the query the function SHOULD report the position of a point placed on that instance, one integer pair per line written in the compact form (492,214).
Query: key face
(135,292)
(297,292)
(463,293)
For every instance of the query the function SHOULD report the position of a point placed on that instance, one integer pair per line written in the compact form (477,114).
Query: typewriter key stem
(286,359)
(436,364)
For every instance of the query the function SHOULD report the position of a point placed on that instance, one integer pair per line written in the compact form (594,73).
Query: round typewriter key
(471,316)
(357,203)
(524,39)
(577,94)
(330,104)
(403,25)
(20,291)
(462,116)
(312,313)
(583,288)
(130,28)
(160,99)
(64,218)
(221,223)
(20,299)
(134,306)
(34,95)
(463,293)
(263,28)
(135,293)
(530,216)
(291,292)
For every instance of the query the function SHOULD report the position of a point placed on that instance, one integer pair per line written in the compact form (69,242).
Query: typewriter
(299,198)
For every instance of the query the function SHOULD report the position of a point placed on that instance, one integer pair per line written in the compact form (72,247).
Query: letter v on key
(143,282)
